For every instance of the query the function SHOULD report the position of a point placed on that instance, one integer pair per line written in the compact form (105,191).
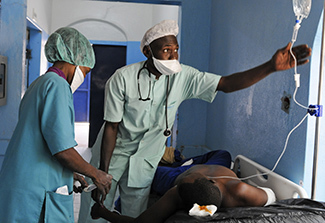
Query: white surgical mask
(78,79)
(167,67)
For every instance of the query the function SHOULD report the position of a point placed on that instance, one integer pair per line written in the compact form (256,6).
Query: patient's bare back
(208,171)
(234,192)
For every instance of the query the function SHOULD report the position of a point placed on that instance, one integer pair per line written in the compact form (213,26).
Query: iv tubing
(297,77)
(297,81)
(276,163)
(317,127)
(295,59)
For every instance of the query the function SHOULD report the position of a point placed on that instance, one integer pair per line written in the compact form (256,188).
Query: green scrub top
(30,174)
(140,141)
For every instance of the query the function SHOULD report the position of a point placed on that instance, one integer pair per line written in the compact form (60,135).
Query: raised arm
(282,60)
(107,148)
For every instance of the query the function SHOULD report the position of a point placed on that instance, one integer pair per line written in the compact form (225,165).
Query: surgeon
(140,104)
(37,172)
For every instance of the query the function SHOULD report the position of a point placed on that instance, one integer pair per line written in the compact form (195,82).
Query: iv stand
(317,128)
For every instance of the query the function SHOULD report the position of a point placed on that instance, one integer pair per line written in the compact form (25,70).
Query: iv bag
(301,7)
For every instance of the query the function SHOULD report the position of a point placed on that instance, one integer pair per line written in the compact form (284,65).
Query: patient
(197,185)
(173,163)
(165,176)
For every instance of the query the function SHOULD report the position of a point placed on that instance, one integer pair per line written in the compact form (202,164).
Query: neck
(153,69)
(66,68)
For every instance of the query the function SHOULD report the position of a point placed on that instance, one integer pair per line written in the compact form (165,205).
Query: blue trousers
(165,176)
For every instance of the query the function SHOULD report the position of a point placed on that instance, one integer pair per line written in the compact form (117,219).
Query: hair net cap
(69,45)
(164,28)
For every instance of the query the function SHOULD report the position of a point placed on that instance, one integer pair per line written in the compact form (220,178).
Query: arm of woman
(72,160)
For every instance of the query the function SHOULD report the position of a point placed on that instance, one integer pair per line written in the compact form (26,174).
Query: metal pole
(317,128)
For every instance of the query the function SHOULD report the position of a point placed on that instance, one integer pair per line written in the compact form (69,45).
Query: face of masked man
(163,55)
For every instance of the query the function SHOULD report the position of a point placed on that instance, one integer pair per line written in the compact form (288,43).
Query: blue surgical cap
(69,45)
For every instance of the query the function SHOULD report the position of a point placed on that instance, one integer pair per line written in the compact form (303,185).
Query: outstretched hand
(283,60)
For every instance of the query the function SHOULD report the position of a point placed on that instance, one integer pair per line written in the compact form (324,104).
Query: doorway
(89,97)
(33,51)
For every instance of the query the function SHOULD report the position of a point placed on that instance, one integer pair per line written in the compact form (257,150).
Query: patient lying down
(197,186)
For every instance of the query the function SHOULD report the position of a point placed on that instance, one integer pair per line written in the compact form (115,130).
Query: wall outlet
(286,99)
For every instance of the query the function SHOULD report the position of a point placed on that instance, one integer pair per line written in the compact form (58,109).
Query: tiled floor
(81,134)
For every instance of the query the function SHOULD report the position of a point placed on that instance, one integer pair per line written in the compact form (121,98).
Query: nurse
(37,172)
(141,101)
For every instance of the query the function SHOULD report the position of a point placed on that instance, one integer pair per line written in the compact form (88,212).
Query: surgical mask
(167,67)
(78,79)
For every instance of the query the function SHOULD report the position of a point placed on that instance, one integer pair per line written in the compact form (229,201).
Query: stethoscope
(167,132)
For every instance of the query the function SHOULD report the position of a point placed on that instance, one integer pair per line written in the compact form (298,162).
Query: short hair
(202,191)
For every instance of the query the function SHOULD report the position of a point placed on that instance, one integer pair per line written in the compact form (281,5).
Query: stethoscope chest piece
(167,132)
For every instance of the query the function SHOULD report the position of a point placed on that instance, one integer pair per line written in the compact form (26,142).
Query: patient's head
(202,191)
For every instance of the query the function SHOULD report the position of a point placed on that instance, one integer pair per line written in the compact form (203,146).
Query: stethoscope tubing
(167,132)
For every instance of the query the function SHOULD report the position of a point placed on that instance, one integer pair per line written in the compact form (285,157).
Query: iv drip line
(297,83)
(296,75)
(297,80)
(276,163)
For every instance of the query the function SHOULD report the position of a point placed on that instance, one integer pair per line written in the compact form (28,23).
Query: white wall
(40,11)
(109,21)
(97,20)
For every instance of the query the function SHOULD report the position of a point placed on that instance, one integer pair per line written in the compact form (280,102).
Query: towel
(204,210)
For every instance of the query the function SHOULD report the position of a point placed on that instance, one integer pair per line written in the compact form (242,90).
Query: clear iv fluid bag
(301,8)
